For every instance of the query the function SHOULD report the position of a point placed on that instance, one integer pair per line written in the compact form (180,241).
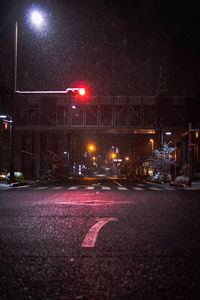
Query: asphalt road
(99,239)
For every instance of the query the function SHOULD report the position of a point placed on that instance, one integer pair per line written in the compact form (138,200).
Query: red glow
(82,92)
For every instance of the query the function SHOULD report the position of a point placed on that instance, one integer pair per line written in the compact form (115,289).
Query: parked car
(3,173)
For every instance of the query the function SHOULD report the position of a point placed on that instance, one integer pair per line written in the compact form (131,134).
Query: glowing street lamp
(113,155)
(168,133)
(36,19)
(152,145)
(91,147)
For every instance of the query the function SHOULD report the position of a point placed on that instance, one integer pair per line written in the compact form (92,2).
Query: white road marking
(122,188)
(73,188)
(155,189)
(138,188)
(106,188)
(57,188)
(116,182)
(22,186)
(169,189)
(41,188)
(140,184)
(90,188)
(91,237)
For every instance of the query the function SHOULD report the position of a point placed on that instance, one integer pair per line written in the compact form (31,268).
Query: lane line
(91,237)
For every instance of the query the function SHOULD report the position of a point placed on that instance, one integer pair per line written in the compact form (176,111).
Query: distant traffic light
(196,134)
(76,92)
(5,126)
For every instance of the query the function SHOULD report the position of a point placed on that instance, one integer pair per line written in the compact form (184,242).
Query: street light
(152,145)
(113,155)
(91,147)
(36,19)
(168,133)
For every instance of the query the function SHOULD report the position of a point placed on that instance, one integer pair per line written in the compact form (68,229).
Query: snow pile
(182,181)
(160,177)
(18,177)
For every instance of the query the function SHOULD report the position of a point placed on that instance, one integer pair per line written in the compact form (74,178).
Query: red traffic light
(76,91)
(82,92)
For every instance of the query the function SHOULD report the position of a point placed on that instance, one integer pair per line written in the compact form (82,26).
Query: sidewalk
(4,185)
(195,185)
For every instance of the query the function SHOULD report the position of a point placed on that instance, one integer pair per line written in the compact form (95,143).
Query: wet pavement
(95,243)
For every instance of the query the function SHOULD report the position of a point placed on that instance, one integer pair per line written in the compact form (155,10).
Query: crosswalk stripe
(169,189)
(41,188)
(155,189)
(57,188)
(105,188)
(89,187)
(140,184)
(138,188)
(122,188)
(73,188)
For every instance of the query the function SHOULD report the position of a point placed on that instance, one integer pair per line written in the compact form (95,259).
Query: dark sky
(114,47)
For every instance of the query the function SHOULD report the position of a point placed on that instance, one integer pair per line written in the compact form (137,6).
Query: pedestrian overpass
(53,111)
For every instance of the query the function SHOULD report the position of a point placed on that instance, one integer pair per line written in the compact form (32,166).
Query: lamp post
(37,19)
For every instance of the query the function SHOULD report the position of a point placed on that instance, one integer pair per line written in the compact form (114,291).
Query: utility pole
(190,150)
(190,153)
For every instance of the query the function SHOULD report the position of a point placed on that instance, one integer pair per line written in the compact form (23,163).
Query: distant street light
(168,133)
(36,19)
(113,155)
(152,145)
(91,147)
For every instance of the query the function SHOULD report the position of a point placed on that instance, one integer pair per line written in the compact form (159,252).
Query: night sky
(113,47)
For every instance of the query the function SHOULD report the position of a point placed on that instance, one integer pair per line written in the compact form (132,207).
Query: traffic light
(76,92)
(5,126)
(196,134)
